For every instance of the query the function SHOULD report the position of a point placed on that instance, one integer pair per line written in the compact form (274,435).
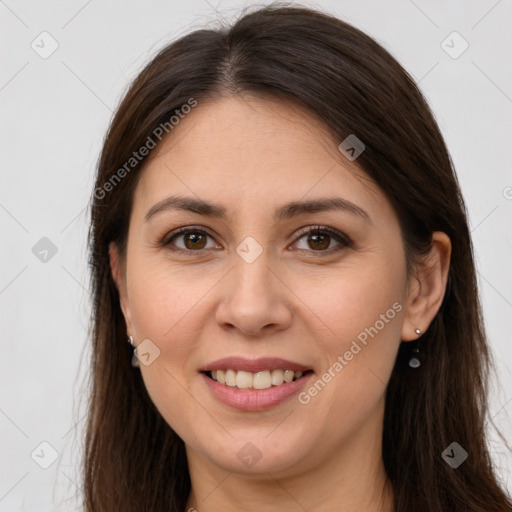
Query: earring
(135,360)
(414,362)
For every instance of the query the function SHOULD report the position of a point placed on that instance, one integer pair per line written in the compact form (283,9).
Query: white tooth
(288,375)
(262,380)
(277,377)
(231,378)
(244,379)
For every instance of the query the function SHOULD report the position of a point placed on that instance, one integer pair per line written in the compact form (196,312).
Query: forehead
(251,149)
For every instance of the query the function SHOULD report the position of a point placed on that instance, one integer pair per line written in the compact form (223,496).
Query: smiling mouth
(260,380)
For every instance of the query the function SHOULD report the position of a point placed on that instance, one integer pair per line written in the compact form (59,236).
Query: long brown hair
(133,460)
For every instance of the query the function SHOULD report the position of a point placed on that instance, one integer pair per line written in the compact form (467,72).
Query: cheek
(165,305)
(169,307)
(162,297)
(357,323)
(351,301)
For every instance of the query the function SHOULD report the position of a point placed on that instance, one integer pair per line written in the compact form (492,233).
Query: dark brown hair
(133,459)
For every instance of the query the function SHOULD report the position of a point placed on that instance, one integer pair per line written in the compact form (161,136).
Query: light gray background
(54,113)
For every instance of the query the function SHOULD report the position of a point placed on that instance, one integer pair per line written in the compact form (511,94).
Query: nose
(255,299)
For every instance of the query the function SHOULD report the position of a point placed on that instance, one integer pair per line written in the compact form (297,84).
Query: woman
(278,231)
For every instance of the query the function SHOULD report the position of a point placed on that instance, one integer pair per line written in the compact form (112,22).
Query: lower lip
(255,399)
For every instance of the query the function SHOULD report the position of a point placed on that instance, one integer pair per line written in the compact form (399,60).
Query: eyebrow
(284,212)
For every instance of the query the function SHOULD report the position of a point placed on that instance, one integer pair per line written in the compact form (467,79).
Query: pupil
(315,241)
(195,238)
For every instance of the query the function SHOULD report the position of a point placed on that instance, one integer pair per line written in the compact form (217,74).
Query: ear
(119,275)
(427,287)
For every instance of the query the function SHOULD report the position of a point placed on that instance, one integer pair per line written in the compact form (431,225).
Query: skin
(251,155)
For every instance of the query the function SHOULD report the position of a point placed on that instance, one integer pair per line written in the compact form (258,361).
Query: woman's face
(253,285)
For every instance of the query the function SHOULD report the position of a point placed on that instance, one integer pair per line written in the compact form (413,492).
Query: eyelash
(344,240)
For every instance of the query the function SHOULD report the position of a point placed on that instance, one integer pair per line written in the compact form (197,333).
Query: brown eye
(192,240)
(319,239)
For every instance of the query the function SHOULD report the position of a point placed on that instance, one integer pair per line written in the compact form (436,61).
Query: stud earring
(135,360)
(414,362)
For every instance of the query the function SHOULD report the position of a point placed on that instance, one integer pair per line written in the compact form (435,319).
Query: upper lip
(253,365)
